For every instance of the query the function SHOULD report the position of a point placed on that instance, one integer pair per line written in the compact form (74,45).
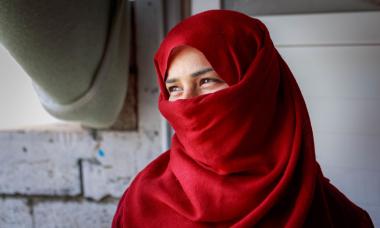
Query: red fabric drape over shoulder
(240,157)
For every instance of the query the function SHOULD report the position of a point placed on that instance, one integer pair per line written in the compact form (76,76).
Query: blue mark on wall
(101,153)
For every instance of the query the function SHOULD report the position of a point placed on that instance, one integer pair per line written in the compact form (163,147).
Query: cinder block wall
(65,176)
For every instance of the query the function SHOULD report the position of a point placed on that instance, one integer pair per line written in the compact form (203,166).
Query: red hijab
(242,156)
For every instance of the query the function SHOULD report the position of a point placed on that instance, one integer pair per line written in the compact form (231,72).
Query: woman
(243,151)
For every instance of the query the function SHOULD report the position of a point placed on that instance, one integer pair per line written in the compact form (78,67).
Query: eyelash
(202,81)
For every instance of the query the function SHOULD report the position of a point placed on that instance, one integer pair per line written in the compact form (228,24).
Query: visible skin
(190,75)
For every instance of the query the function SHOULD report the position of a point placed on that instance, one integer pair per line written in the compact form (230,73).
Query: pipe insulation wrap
(76,53)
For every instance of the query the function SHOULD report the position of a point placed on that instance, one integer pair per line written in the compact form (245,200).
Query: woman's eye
(174,89)
(208,81)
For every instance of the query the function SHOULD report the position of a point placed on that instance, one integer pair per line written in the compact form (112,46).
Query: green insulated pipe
(76,53)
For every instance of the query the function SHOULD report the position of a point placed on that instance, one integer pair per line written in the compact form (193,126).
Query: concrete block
(74,214)
(42,162)
(100,181)
(120,157)
(14,213)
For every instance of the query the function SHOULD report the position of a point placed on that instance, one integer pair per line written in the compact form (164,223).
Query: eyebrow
(195,74)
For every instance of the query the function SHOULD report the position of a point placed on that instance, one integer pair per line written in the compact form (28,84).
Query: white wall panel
(324,29)
(336,71)
(348,151)
(345,116)
(360,185)
(198,6)
(271,7)
(335,59)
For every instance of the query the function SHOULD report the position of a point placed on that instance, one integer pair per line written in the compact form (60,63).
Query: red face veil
(240,157)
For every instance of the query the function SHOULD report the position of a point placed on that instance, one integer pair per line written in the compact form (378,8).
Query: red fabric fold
(240,157)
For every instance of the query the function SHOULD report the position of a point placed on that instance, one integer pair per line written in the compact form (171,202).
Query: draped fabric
(242,156)
(75,52)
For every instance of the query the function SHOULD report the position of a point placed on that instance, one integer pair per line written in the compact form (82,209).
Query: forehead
(185,60)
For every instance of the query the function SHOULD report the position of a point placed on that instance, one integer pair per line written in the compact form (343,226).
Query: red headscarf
(242,156)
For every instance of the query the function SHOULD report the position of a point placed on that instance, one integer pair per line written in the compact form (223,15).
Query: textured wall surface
(66,176)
